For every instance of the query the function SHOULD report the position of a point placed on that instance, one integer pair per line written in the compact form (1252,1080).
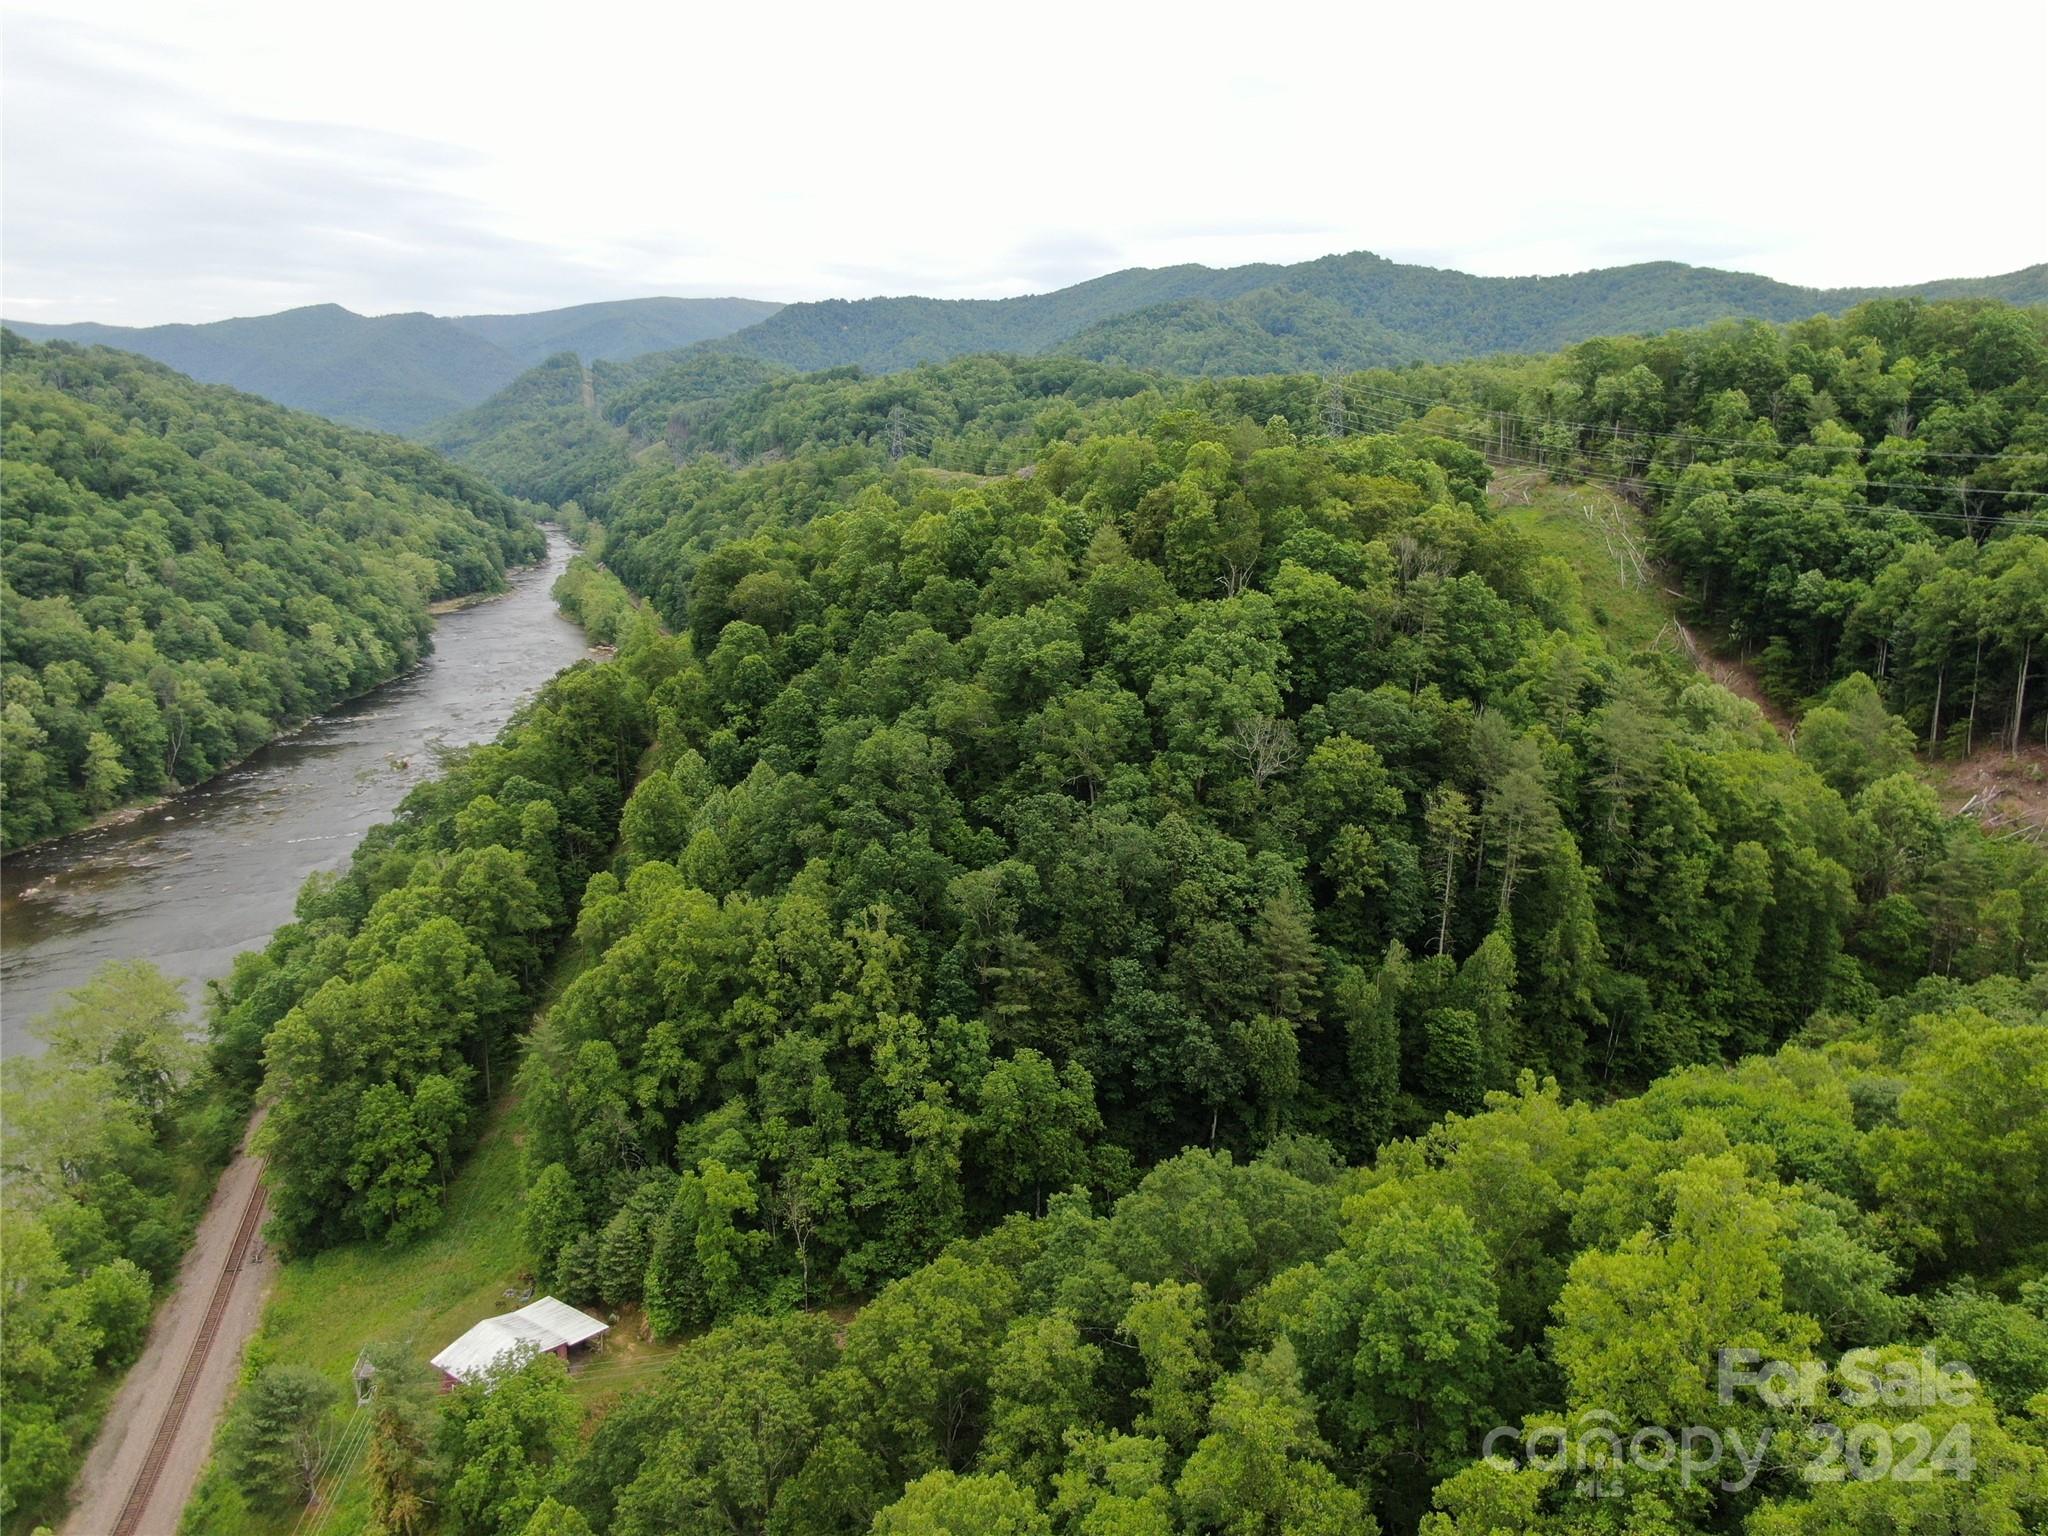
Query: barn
(546,1326)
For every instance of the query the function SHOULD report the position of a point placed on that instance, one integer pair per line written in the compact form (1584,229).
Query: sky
(193,159)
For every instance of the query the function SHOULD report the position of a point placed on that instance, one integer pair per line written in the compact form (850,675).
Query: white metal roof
(536,1327)
(561,1319)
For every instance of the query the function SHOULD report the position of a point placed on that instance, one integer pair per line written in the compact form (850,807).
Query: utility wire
(1892,485)
(1697,437)
(341,1480)
(351,1433)
(1484,442)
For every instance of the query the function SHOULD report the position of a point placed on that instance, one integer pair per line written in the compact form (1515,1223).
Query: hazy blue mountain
(883,334)
(617,330)
(404,372)
(397,373)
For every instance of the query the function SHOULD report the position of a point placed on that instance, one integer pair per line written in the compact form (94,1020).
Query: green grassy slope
(421,1295)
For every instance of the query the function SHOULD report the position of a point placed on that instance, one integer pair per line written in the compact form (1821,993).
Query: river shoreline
(122,815)
(189,879)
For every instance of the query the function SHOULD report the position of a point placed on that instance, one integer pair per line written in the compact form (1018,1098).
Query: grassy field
(1603,540)
(326,1307)
(1625,598)
(421,1295)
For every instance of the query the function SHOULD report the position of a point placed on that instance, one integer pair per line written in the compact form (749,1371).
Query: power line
(326,1461)
(352,1434)
(611,1370)
(341,1479)
(1623,487)
(1484,443)
(1892,485)
(1676,433)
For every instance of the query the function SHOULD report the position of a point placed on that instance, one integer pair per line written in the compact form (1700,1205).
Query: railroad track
(195,1361)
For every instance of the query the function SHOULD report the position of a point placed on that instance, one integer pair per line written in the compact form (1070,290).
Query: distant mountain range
(1351,311)
(398,373)
(405,372)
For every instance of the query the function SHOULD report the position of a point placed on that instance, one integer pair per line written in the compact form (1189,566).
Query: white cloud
(217,157)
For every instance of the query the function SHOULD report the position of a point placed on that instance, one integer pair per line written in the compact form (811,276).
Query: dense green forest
(1284,1345)
(381,1017)
(1828,488)
(187,570)
(398,373)
(542,438)
(1189,990)
(1270,330)
(561,433)
(978,415)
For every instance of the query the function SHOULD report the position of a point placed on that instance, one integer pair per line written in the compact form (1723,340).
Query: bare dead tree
(175,729)
(1414,560)
(1235,580)
(1268,746)
(800,1220)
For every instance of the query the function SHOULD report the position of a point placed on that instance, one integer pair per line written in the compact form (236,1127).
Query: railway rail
(247,1231)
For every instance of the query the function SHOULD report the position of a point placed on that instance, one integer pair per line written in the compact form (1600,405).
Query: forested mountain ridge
(404,372)
(187,569)
(389,372)
(531,439)
(1354,310)
(397,373)
(539,438)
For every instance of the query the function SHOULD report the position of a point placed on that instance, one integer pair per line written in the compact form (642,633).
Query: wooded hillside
(188,569)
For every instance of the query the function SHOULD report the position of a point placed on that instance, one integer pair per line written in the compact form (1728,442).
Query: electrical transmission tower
(1333,405)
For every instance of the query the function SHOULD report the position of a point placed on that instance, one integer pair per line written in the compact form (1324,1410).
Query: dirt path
(2005,790)
(1738,677)
(159,1428)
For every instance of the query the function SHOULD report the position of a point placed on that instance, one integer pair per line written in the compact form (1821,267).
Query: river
(195,881)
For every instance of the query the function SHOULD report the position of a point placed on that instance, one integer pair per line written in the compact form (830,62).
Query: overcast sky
(191,159)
